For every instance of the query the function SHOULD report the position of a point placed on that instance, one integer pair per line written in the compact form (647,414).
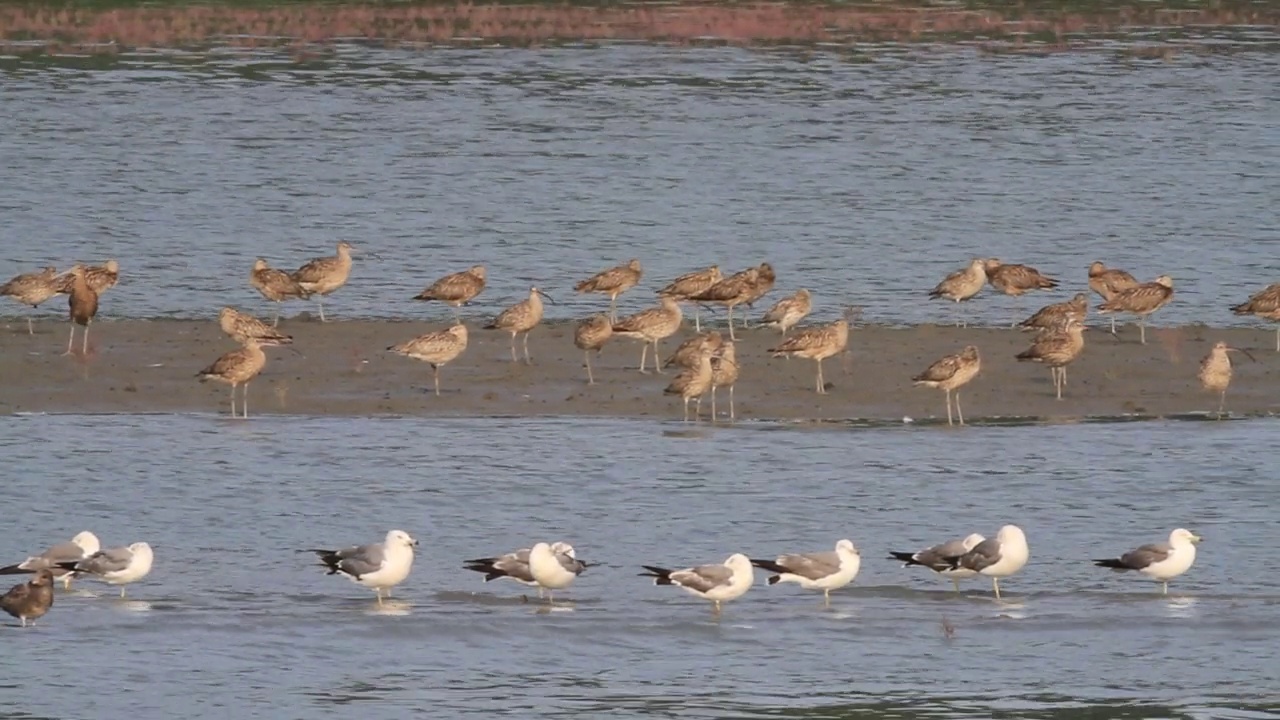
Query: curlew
(521,318)
(275,285)
(818,344)
(693,383)
(1215,372)
(437,349)
(724,373)
(590,335)
(962,284)
(100,277)
(686,355)
(243,327)
(686,286)
(33,289)
(1141,300)
(613,282)
(83,304)
(236,368)
(1057,350)
(730,292)
(457,289)
(951,373)
(1264,304)
(651,327)
(1109,281)
(324,275)
(763,283)
(1016,280)
(788,311)
(1053,317)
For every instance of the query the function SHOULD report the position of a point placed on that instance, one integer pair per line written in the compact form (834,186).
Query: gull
(378,566)
(116,566)
(1161,562)
(80,547)
(1002,557)
(515,565)
(718,583)
(553,571)
(825,571)
(30,600)
(935,558)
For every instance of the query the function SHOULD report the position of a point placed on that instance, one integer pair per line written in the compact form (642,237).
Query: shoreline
(342,369)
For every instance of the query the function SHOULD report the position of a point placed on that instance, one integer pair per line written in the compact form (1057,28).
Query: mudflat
(343,368)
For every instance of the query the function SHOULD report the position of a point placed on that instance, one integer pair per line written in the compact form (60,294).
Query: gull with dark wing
(825,571)
(515,565)
(552,570)
(1161,562)
(116,566)
(718,583)
(78,548)
(30,600)
(951,373)
(935,558)
(999,558)
(378,566)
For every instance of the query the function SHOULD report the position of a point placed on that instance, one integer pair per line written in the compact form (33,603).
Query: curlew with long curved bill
(437,349)
(1141,300)
(1264,304)
(765,279)
(589,336)
(324,275)
(962,285)
(101,278)
(686,286)
(651,326)
(457,289)
(237,368)
(522,317)
(693,383)
(789,311)
(731,292)
(724,373)
(951,373)
(1215,372)
(83,305)
(242,327)
(1016,280)
(33,289)
(613,282)
(1053,317)
(275,285)
(818,344)
(1109,281)
(1057,350)
(688,352)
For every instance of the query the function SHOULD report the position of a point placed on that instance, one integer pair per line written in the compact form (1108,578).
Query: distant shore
(343,369)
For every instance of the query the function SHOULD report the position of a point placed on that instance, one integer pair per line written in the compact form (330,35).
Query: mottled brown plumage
(83,305)
(590,335)
(724,373)
(817,344)
(1264,304)
(765,279)
(275,285)
(457,289)
(1109,281)
(33,289)
(788,311)
(613,282)
(690,284)
(522,317)
(101,278)
(1016,280)
(951,373)
(730,292)
(1055,316)
(1215,373)
(651,326)
(323,275)
(437,349)
(693,383)
(243,326)
(1057,350)
(963,284)
(1141,300)
(237,368)
(31,600)
(686,355)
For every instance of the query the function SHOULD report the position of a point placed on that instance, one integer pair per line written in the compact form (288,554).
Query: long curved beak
(548,297)
(1242,350)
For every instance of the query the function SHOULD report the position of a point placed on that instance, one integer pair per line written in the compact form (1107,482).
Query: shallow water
(864,175)
(235,620)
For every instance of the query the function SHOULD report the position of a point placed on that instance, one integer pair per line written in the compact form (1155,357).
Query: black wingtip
(1113,563)
(13,570)
(774,579)
(661,576)
(69,565)
(906,557)
(769,565)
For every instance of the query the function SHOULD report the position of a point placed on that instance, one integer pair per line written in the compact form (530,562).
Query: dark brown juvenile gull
(30,600)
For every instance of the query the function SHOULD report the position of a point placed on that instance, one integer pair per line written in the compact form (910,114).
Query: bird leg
(586,354)
(686,409)
(948,397)
(822,386)
(644,355)
(513,348)
(613,308)
(995,583)
(233,401)
(71,339)
(731,336)
(656,364)
(1222,403)
(956,583)
(31,331)
(1165,583)
(320,304)
(435,372)
(713,403)
(732,417)
(697,325)
(84,345)
(275,322)
(527,360)
(122,589)
(697,408)
(1142,328)
(958,410)
(826,598)
(244,401)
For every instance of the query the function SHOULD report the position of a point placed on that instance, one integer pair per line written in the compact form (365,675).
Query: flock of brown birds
(708,360)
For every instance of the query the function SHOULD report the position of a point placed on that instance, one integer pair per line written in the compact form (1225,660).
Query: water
(234,621)
(864,175)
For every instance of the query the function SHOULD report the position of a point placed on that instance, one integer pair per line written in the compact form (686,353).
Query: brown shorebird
(730,292)
(100,277)
(951,373)
(437,349)
(1016,280)
(788,311)
(764,281)
(1057,350)
(1215,372)
(1053,317)
(693,383)
(242,327)
(612,282)
(818,344)
(457,289)
(724,373)
(686,286)
(83,303)
(1141,300)
(33,289)
(275,285)
(962,285)
(651,327)
(591,335)
(1264,304)
(30,600)
(322,276)
(236,368)
(1109,281)
(521,318)
(686,355)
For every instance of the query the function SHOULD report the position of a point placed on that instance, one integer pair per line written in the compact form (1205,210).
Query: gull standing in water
(78,548)
(718,583)
(378,566)
(116,566)
(825,571)
(935,558)
(1161,562)
(999,558)
(553,571)
(515,565)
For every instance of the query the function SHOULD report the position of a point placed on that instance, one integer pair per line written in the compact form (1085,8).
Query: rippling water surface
(235,622)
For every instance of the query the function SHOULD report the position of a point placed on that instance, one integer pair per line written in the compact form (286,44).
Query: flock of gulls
(707,361)
(553,567)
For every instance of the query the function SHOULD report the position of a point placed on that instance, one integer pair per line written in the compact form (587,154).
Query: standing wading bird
(78,548)
(515,565)
(613,282)
(1109,281)
(718,583)
(33,289)
(962,285)
(1141,300)
(377,566)
(731,292)
(1264,304)
(242,327)
(763,283)
(724,373)
(1161,562)
(116,566)
(951,373)
(1057,349)
(83,304)
(275,285)
(457,289)
(1016,280)
(999,558)
(552,570)
(100,277)
(687,354)
(825,571)
(935,558)
(693,383)
(1215,372)
(324,275)
(686,286)
(651,326)
(238,367)
(30,600)
(1052,317)
(589,336)
(788,311)
(818,344)
(522,317)
(437,349)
